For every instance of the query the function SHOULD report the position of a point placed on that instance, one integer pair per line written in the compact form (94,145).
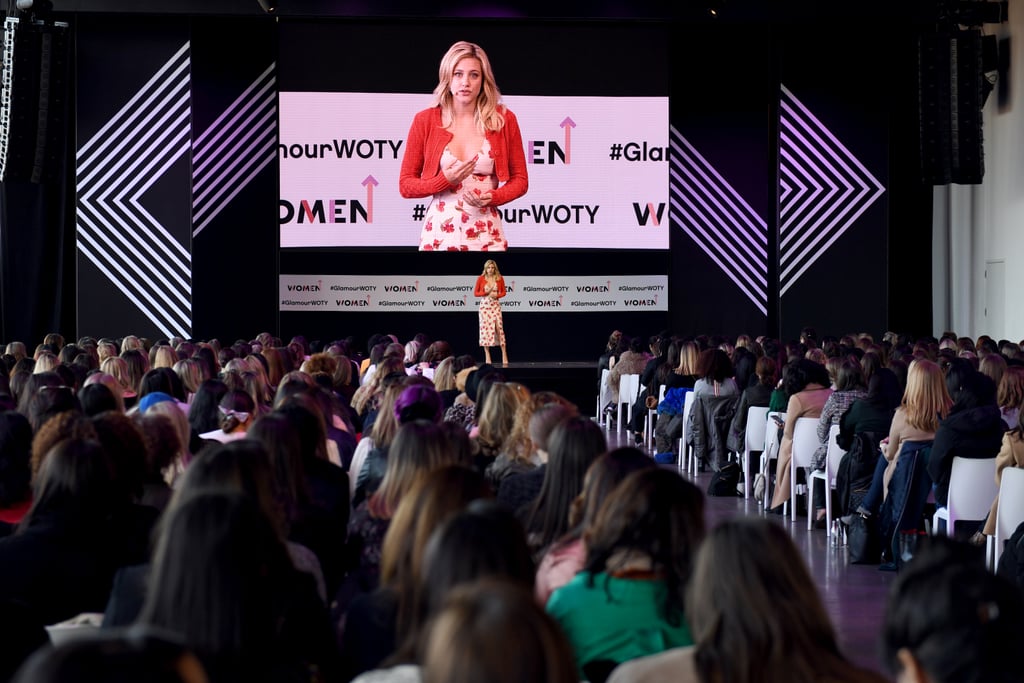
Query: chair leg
(810,496)
(746,473)
(792,490)
(828,506)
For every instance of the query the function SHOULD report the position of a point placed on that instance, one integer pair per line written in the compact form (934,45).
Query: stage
(575,380)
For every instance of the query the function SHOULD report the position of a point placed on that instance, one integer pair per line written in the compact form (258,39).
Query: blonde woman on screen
(466,152)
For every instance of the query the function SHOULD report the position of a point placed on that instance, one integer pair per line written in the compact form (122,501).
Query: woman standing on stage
(491,286)
(458,151)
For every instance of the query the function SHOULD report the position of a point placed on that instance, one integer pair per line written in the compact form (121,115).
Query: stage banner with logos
(598,171)
(454,293)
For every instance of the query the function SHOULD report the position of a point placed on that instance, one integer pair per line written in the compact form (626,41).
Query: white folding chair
(828,475)
(684,449)
(604,394)
(629,388)
(972,488)
(1009,512)
(649,420)
(770,452)
(805,442)
(753,440)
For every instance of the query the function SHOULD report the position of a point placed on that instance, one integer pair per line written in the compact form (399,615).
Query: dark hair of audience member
(32,386)
(97,398)
(657,513)
(233,406)
(126,450)
(75,485)
(470,639)
(951,620)
(220,580)
(281,438)
(303,412)
(573,445)
(204,413)
(49,401)
(18,382)
(441,494)
(714,365)
(127,657)
(603,476)
(884,390)
(766,371)
(850,376)
(755,612)
(138,364)
(15,459)
(419,447)
(163,447)
(803,372)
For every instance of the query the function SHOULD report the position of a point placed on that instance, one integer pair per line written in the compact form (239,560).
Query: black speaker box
(34,96)
(950,98)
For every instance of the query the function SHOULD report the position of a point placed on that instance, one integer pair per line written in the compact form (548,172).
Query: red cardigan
(421,166)
(482,281)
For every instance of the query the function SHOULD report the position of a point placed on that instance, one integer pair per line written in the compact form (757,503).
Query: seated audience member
(1011,454)
(136,655)
(574,444)
(484,541)
(566,556)
(631,362)
(950,621)
(237,413)
(715,375)
(755,615)
(807,385)
(15,467)
(757,395)
(629,600)
(377,622)
(1010,395)
(519,489)
(973,429)
(470,639)
(222,581)
(62,557)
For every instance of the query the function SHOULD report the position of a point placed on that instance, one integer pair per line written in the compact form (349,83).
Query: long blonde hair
(926,399)
(491,262)
(488,115)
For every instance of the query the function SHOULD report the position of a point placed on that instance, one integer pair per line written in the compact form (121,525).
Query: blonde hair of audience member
(45,362)
(419,447)
(276,367)
(1011,388)
(498,417)
(832,365)
(365,393)
(254,385)
(343,373)
(164,357)
(993,365)
(743,341)
(137,363)
(444,378)
(756,614)
(817,355)
(257,366)
(480,624)
(118,368)
(237,365)
(689,357)
(411,352)
(16,349)
(440,494)
(926,399)
(519,445)
(192,373)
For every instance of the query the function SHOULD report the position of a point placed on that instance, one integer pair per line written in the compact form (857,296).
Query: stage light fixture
(268,6)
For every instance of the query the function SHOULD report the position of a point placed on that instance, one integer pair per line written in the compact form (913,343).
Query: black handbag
(862,541)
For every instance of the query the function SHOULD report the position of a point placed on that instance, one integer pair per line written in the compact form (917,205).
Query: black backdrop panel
(721,105)
(844,82)
(234,250)
(132,177)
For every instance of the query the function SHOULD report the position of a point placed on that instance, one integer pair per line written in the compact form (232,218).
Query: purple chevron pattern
(114,170)
(239,144)
(719,221)
(823,189)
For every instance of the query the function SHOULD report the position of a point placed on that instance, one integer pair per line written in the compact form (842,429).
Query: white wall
(986,222)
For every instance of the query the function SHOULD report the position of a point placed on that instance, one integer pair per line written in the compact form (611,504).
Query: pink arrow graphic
(369,184)
(568,124)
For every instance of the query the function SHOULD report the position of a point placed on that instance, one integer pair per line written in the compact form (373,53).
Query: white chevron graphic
(234,149)
(718,220)
(823,189)
(115,168)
